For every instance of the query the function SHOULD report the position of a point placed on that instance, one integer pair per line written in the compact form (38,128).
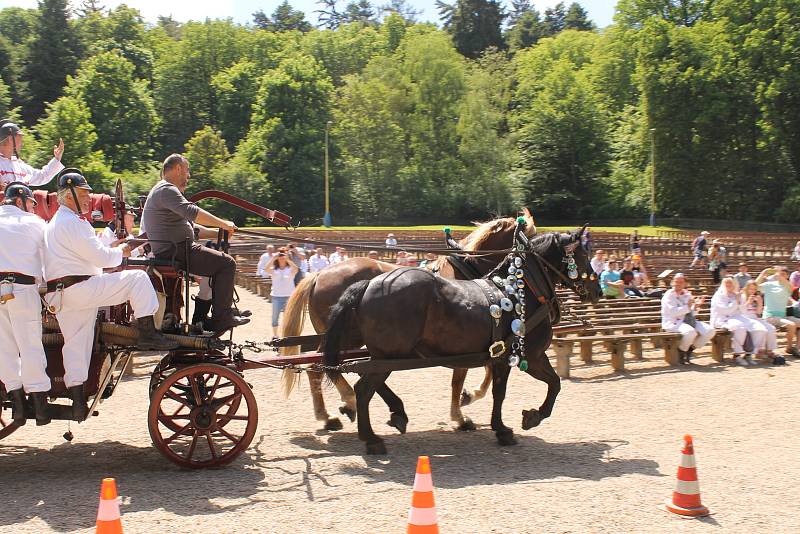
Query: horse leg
(477,394)
(398,417)
(365,389)
(457,418)
(505,435)
(542,370)
(320,412)
(348,397)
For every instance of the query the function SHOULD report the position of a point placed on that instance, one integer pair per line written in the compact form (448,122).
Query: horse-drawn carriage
(203,413)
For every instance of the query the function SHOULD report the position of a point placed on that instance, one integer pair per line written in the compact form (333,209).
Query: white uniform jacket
(16,170)
(674,308)
(73,248)
(23,235)
(725,306)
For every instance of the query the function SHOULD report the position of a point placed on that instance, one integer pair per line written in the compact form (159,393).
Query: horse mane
(542,242)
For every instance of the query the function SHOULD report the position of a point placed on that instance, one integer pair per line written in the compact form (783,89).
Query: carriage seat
(166,268)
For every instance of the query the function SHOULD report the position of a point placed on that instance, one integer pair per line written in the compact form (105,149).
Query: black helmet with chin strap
(72,179)
(16,190)
(10,129)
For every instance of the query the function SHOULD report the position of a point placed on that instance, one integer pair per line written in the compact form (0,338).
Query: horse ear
(530,229)
(583,229)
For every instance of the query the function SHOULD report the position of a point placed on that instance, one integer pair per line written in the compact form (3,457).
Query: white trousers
(22,359)
(78,312)
(738,327)
(697,335)
(765,336)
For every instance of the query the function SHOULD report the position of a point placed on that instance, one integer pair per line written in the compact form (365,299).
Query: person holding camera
(777,297)
(283,270)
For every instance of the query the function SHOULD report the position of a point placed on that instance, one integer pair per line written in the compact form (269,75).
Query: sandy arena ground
(604,462)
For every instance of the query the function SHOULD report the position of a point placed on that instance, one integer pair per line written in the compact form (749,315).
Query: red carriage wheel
(203,415)
(164,369)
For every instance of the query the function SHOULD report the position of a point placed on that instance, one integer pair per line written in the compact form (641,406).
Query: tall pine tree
(474,24)
(53,55)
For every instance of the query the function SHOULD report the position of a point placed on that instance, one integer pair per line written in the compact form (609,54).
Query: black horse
(411,312)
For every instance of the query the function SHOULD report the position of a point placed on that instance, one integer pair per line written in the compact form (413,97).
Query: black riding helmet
(16,190)
(10,129)
(71,179)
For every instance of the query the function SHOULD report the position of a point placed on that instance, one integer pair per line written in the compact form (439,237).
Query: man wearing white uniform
(23,362)
(76,285)
(13,169)
(678,314)
(264,260)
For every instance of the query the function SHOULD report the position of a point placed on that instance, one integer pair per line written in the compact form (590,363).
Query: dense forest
(493,108)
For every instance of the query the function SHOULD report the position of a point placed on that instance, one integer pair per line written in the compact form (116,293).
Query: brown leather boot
(79,409)
(18,406)
(40,407)
(150,338)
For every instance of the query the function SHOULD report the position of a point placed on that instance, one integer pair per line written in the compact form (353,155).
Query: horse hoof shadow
(399,422)
(530,419)
(506,438)
(466,398)
(349,412)
(466,425)
(376,447)
(333,424)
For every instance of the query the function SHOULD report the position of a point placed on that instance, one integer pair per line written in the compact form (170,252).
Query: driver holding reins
(13,169)
(77,286)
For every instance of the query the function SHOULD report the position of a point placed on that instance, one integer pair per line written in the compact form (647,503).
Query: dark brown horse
(318,293)
(409,312)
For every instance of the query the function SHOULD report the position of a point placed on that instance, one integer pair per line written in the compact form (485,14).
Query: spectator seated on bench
(777,296)
(611,281)
(727,311)
(678,309)
(753,310)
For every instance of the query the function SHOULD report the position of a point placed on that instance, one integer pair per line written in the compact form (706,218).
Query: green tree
(361,12)
(53,55)
(5,99)
(347,50)
(555,18)
(283,19)
(235,89)
(526,31)
(121,108)
(184,96)
(577,18)
(393,30)
(474,24)
(286,139)
(562,145)
(206,152)
(69,118)
(634,13)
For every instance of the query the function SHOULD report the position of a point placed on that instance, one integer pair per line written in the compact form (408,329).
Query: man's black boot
(40,407)
(149,338)
(79,409)
(18,406)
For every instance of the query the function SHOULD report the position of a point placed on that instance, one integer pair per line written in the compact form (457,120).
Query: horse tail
(339,323)
(293,318)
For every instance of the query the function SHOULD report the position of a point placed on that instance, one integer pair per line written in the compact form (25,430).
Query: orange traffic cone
(422,516)
(686,497)
(108,520)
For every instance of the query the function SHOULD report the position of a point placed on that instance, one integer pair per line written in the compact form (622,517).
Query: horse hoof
(399,422)
(466,398)
(530,419)
(349,412)
(376,447)
(333,424)
(466,425)
(506,438)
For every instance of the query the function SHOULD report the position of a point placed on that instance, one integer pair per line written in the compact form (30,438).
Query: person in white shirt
(338,257)
(282,270)
(74,260)
(678,314)
(727,312)
(23,362)
(317,261)
(108,236)
(391,241)
(598,262)
(752,308)
(264,260)
(13,169)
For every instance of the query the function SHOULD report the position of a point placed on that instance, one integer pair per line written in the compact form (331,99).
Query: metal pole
(653,177)
(326,220)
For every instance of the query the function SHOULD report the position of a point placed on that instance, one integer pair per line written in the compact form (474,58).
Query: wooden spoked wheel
(203,415)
